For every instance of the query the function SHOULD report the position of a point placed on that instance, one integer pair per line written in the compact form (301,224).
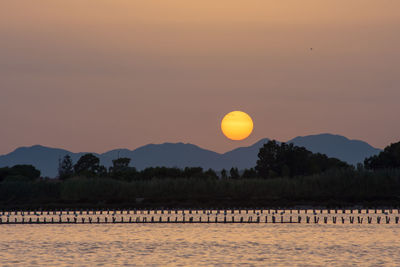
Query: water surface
(200,244)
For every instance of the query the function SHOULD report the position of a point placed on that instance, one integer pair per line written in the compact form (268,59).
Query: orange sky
(97,75)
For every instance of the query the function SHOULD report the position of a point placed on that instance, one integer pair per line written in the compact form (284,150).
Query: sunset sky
(97,75)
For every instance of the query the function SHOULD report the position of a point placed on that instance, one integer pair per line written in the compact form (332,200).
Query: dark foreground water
(200,244)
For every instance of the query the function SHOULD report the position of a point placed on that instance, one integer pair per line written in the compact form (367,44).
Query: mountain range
(188,155)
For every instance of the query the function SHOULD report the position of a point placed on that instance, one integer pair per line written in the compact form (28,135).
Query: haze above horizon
(96,75)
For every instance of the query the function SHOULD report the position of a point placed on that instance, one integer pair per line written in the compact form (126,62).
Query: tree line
(283,175)
(274,160)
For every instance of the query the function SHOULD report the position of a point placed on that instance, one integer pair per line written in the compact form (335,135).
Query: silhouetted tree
(234,173)
(65,168)
(224,174)
(28,171)
(120,164)
(211,174)
(249,173)
(193,172)
(287,160)
(88,165)
(389,158)
(19,172)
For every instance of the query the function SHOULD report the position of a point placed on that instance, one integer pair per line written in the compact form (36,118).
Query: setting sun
(237,125)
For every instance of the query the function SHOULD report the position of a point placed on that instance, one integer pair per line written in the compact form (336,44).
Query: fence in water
(306,216)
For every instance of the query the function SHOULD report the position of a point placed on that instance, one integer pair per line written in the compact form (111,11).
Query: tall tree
(223,174)
(65,168)
(234,173)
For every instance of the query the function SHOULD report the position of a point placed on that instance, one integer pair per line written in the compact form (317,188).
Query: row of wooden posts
(183,211)
(249,219)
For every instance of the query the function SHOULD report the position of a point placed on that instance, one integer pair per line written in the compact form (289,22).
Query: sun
(237,125)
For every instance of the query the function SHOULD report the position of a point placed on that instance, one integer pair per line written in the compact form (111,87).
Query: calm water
(201,244)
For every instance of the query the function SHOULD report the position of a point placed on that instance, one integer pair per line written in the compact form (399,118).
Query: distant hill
(182,155)
(337,146)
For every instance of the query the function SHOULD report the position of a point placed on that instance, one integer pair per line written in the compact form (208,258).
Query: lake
(200,244)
